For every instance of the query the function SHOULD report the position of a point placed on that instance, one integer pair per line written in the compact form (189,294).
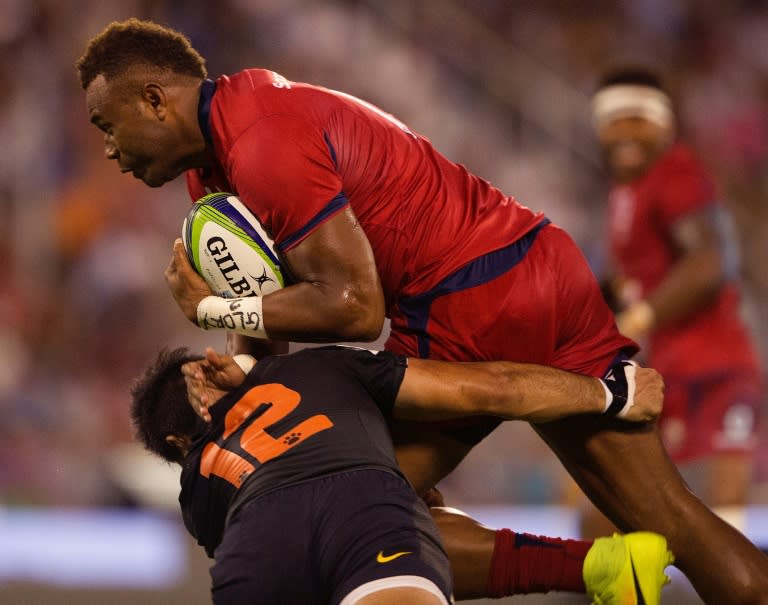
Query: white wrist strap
(239,315)
(246,362)
(619,384)
(608,396)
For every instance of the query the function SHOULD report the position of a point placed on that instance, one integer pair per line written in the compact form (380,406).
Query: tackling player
(294,488)
(676,272)
(372,220)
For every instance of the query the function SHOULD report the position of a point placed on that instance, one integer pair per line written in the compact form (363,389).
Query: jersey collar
(204,108)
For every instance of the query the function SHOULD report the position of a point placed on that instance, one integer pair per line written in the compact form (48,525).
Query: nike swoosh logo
(382,558)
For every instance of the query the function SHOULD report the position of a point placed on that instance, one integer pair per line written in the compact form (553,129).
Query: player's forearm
(435,390)
(541,394)
(258,347)
(698,272)
(305,312)
(317,312)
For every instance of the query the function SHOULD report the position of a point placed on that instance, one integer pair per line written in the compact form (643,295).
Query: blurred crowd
(500,86)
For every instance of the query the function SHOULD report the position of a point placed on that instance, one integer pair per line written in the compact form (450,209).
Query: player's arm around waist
(436,390)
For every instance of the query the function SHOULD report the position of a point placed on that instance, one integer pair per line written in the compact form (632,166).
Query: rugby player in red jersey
(676,277)
(372,222)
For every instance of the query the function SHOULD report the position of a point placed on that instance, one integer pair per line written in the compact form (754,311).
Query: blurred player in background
(675,263)
(373,221)
(311,475)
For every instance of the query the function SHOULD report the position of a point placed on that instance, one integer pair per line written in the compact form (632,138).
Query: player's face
(134,136)
(630,145)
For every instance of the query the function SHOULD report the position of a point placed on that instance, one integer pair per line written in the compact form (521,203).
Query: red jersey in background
(640,219)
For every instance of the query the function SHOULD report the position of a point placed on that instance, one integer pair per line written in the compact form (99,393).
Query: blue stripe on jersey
(204,108)
(338,202)
(331,149)
(480,271)
(536,541)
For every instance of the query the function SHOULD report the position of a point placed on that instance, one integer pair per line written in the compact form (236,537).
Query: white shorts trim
(394,582)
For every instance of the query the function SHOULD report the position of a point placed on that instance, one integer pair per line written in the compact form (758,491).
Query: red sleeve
(195,185)
(284,171)
(684,188)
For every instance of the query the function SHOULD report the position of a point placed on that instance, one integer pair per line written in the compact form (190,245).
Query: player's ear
(180,442)
(155,96)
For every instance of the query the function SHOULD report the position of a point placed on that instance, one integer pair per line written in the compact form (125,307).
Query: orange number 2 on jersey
(255,440)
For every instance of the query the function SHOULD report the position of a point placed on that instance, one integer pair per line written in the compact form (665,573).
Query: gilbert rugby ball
(229,248)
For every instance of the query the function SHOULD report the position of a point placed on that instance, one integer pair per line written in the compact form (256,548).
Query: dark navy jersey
(296,417)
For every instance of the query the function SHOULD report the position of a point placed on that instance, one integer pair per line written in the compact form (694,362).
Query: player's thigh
(374,532)
(427,453)
(264,554)
(624,469)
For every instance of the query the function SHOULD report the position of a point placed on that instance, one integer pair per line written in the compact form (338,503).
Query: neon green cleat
(627,569)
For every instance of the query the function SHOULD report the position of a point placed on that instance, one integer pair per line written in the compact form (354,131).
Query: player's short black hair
(159,405)
(123,44)
(632,74)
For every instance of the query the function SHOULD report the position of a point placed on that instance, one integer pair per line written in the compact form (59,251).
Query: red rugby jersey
(296,154)
(640,220)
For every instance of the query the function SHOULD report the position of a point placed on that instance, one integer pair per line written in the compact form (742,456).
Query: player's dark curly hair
(159,405)
(124,44)
(632,74)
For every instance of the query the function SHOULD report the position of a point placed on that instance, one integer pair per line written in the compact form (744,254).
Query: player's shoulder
(345,358)
(285,111)
(681,157)
(264,86)
(249,79)
(338,352)
(323,363)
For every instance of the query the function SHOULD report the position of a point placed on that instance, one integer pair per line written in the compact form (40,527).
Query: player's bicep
(335,253)
(434,390)
(337,261)
(696,231)
(702,252)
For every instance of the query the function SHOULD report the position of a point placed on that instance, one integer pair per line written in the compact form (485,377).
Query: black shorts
(316,542)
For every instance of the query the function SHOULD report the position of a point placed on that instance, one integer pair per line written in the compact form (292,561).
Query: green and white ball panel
(230,249)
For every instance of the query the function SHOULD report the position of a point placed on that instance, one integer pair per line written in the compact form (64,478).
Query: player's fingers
(178,255)
(218,362)
(194,396)
(180,258)
(193,369)
(649,395)
(211,356)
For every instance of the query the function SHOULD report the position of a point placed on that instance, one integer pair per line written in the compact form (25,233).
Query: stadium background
(500,86)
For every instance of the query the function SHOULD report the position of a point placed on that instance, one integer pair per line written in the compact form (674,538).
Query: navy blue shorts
(316,542)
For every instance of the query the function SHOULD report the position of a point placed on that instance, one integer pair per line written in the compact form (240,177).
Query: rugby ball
(230,249)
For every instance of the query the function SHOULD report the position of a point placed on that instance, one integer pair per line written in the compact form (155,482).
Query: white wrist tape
(246,362)
(619,384)
(239,315)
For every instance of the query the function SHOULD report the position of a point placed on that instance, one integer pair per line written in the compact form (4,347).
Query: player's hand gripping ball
(230,249)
